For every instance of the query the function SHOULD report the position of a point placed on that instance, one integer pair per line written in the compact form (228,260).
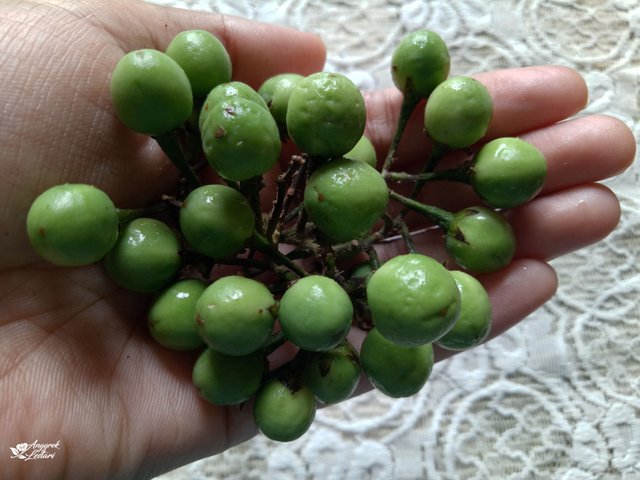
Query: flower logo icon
(18,451)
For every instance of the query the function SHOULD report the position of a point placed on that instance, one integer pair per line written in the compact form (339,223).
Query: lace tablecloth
(558,396)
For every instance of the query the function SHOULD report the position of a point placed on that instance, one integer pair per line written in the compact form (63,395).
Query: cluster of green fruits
(332,203)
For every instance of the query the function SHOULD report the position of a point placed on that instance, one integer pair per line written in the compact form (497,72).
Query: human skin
(77,363)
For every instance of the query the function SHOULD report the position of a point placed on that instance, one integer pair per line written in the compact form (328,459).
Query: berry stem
(460,174)
(261,243)
(126,215)
(437,152)
(409,103)
(170,145)
(440,217)
(287,188)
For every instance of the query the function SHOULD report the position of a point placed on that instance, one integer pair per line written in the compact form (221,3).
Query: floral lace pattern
(556,396)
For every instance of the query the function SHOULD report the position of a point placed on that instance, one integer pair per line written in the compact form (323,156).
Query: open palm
(77,363)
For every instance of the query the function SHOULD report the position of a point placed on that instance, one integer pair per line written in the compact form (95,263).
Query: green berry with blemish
(508,172)
(171,315)
(315,313)
(226,92)
(363,151)
(458,112)
(146,257)
(420,63)
(395,370)
(276,92)
(72,224)
(345,198)
(150,92)
(413,299)
(326,115)
(240,139)
(333,375)
(474,322)
(235,315)
(480,240)
(282,411)
(228,379)
(216,220)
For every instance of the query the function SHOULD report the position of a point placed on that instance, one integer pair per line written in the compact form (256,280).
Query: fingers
(560,223)
(583,150)
(524,99)
(532,97)
(257,50)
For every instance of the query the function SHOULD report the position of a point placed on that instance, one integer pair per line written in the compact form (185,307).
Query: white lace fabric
(558,396)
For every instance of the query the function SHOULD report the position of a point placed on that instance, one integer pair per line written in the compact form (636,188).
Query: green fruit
(458,112)
(284,413)
(226,92)
(150,92)
(326,115)
(474,322)
(226,379)
(508,172)
(72,224)
(240,139)
(333,375)
(413,299)
(480,240)
(395,370)
(216,220)
(203,58)
(345,198)
(420,63)
(315,313)
(276,92)
(364,152)
(146,256)
(171,316)
(234,315)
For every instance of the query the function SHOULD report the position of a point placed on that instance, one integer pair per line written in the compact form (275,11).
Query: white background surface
(558,396)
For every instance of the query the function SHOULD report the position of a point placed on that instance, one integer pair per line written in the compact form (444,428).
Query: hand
(78,364)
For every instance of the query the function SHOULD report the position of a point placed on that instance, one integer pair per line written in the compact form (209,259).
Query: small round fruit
(227,379)
(364,152)
(216,220)
(171,316)
(150,92)
(480,240)
(508,172)
(458,112)
(234,315)
(203,58)
(276,92)
(72,224)
(326,115)
(345,198)
(413,299)
(282,412)
(333,375)
(474,322)
(420,63)
(240,139)
(146,256)
(315,313)
(395,370)
(224,93)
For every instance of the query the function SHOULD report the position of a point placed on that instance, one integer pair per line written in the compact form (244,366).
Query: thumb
(257,50)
